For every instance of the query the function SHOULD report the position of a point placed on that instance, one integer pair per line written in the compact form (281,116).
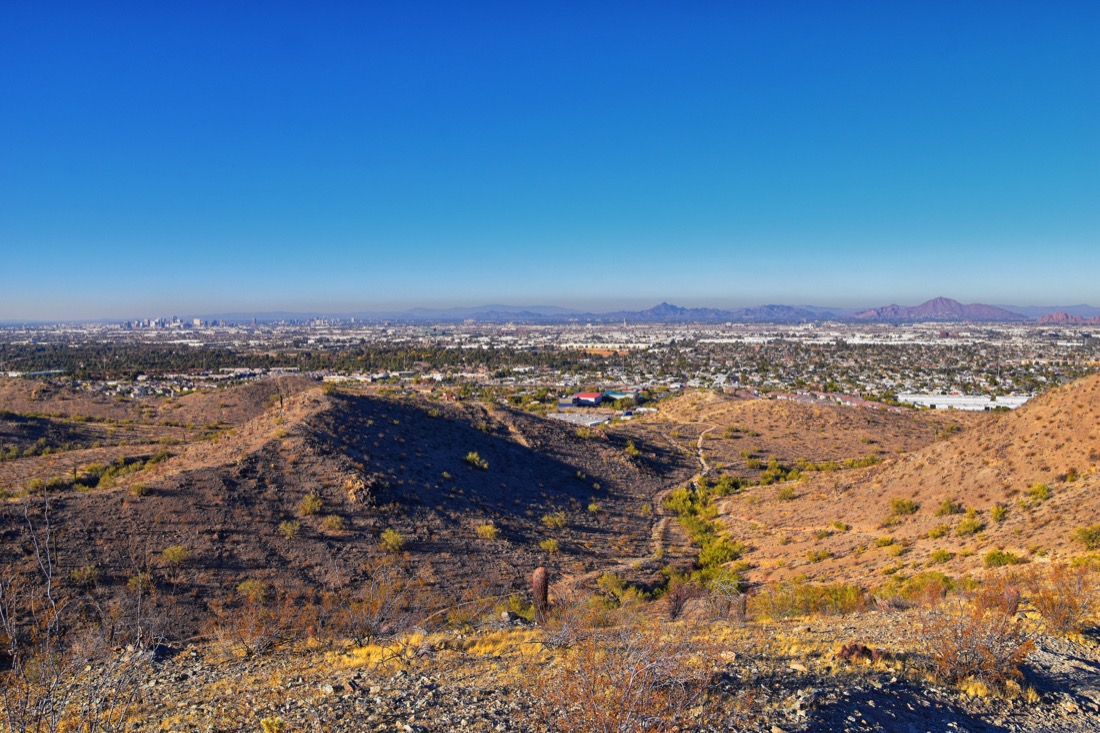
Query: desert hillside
(302,496)
(1022,482)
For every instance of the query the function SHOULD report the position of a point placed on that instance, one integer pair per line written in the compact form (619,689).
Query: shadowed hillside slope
(341,470)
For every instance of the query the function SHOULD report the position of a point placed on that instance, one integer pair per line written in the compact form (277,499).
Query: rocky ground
(770,677)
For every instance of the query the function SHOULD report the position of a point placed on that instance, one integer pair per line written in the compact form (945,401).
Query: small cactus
(539,587)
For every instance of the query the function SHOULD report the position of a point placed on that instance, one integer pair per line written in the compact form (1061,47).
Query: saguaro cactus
(540,584)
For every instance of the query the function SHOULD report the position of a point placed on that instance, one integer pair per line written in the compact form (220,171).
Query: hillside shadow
(835,704)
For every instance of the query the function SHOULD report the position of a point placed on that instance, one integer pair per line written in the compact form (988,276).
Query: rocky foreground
(765,677)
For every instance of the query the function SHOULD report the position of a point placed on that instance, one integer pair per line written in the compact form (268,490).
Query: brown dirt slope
(1054,441)
(740,431)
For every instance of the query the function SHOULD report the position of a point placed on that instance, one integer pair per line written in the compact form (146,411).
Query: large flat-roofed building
(963,402)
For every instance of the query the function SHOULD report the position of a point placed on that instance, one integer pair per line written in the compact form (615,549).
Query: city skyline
(204,159)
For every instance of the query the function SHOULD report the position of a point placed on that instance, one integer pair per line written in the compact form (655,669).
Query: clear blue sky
(195,157)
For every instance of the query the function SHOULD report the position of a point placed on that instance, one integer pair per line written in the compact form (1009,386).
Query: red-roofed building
(587,398)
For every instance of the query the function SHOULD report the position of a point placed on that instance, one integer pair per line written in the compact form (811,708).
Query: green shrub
(939,557)
(998,512)
(1038,492)
(139,583)
(488,531)
(555,520)
(392,540)
(86,576)
(903,507)
(971,525)
(334,523)
(926,587)
(593,507)
(787,494)
(289,529)
(799,598)
(997,558)
(818,555)
(948,507)
(310,504)
(476,461)
(718,551)
(884,541)
(253,590)
(175,556)
(1088,536)
(550,545)
(938,531)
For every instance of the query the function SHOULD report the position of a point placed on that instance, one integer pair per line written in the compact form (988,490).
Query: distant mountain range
(1063,317)
(935,310)
(939,309)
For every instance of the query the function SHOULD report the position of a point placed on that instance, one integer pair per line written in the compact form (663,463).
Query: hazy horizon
(202,159)
(580,307)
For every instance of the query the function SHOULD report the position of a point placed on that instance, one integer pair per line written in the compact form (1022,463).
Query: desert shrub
(816,556)
(277,724)
(948,430)
(593,507)
(334,523)
(884,541)
(861,462)
(681,502)
(473,459)
(392,540)
(822,534)
(998,513)
(787,494)
(140,583)
(631,449)
(971,525)
(554,520)
(902,507)
(550,545)
(1088,536)
(488,531)
(253,590)
(959,640)
(727,485)
(1038,492)
(938,531)
(948,507)
(718,551)
(139,489)
(310,504)
(678,595)
(1066,597)
(86,576)
(941,556)
(289,529)
(623,678)
(386,601)
(841,526)
(926,588)
(254,619)
(175,556)
(799,598)
(999,558)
